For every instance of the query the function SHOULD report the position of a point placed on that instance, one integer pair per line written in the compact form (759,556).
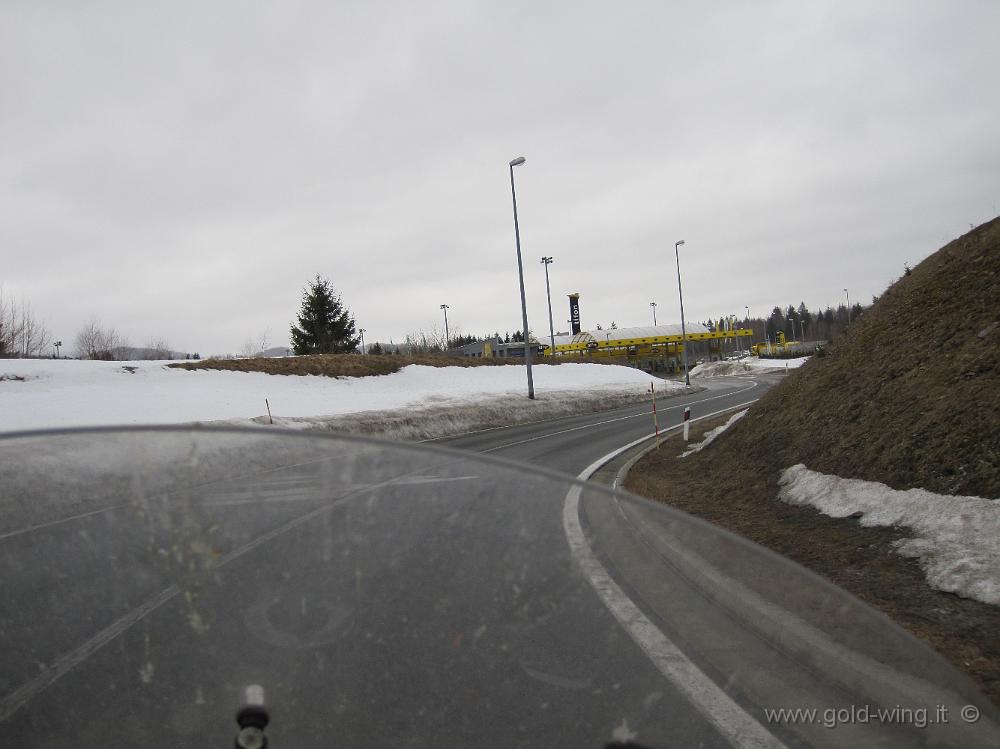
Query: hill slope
(909,395)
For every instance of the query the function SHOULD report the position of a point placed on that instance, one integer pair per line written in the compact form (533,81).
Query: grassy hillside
(909,395)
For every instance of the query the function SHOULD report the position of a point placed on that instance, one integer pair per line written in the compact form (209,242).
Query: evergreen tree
(325,326)
(375,349)
(804,314)
(775,323)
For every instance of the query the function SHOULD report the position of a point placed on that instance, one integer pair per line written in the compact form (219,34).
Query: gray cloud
(182,170)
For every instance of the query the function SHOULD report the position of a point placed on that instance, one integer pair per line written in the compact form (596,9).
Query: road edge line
(736,725)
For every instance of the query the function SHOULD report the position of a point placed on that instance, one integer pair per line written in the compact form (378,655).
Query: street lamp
(447,337)
(546,261)
(680,293)
(653,305)
(792,320)
(362,332)
(520,277)
(848,306)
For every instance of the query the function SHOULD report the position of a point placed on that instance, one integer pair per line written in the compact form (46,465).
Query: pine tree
(325,326)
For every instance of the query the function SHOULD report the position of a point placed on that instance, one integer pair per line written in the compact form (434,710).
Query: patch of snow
(710,436)
(955,538)
(750,365)
(70,393)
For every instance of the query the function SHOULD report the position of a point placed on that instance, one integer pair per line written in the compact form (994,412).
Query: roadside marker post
(269,419)
(687,421)
(656,424)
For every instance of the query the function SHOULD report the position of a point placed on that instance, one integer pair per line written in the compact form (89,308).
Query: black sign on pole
(574,312)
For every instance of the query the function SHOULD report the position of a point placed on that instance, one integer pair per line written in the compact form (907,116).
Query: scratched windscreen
(384,594)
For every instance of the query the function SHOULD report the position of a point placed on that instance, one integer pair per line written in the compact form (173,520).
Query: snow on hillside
(955,538)
(46,393)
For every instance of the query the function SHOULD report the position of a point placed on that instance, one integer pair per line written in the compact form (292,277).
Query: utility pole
(520,275)
(447,337)
(546,261)
(653,305)
(680,293)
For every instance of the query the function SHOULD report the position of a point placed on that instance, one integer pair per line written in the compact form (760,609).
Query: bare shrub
(94,341)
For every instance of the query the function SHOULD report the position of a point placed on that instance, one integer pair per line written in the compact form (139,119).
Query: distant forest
(797,323)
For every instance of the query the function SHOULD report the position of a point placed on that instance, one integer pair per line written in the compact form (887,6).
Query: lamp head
(517,162)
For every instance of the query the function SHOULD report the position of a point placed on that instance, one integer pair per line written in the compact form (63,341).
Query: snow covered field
(750,365)
(955,538)
(46,393)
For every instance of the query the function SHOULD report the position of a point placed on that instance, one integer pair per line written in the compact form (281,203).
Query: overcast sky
(180,170)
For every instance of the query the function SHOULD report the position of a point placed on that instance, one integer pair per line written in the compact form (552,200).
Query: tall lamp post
(520,277)
(848,306)
(447,337)
(547,261)
(653,305)
(362,332)
(792,321)
(680,293)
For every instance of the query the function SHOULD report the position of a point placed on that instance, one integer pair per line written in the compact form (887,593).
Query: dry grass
(355,365)
(907,396)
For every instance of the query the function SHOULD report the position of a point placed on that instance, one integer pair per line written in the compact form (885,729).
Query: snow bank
(750,365)
(46,393)
(955,538)
(710,436)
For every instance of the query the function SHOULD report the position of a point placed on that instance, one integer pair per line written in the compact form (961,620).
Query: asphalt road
(570,444)
(388,596)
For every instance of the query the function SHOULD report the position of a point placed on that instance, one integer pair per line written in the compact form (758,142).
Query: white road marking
(738,727)
(619,418)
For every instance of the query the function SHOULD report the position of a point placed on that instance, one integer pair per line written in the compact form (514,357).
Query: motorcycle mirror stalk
(252,719)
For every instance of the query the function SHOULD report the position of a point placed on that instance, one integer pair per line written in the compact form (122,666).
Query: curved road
(571,444)
(399,596)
